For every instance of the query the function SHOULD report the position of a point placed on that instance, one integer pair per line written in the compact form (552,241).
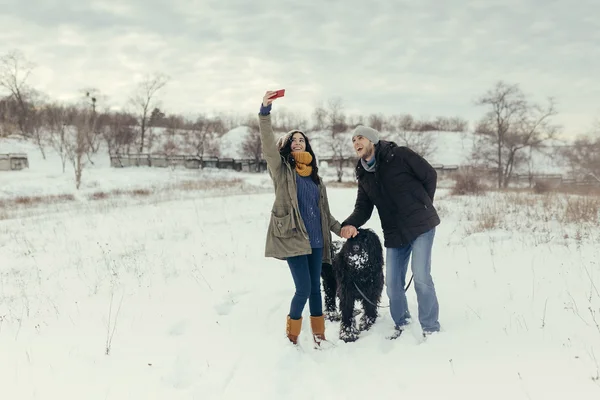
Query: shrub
(582,209)
(467,183)
(541,187)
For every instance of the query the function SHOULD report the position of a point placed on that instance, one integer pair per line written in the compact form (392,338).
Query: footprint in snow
(178,328)
(185,371)
(230,300)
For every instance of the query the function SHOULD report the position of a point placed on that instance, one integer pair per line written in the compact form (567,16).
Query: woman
(300,224)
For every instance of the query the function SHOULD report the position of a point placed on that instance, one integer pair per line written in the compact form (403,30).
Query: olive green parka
(286,234)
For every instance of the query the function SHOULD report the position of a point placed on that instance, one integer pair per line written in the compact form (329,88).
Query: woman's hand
(266,99)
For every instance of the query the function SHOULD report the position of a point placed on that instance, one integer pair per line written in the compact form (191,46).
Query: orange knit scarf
(303,160)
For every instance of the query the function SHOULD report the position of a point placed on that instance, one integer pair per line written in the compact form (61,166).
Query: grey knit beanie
(281,142)
(367,132)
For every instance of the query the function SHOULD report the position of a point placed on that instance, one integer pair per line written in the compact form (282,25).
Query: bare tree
(78,146)
(170,147)
(252,145)
(355,120)
(229,121)
(285,121)
(119,133)
(510,125)
(38,121)
(174,124)
(583,156)
(94,137)
(143,101)
(8,107)
(332,119)
(425,124)
(15,69)
(457,124)
(406,122)
(56,123)
(201,137)
(218,125)
(378,122)
(423,143)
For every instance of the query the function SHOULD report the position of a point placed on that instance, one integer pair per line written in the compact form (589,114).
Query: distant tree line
(510,128)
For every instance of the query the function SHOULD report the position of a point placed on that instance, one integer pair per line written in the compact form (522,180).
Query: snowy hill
(230,144)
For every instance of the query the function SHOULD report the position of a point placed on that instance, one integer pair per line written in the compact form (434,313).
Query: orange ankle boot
(292,329)
(317,325)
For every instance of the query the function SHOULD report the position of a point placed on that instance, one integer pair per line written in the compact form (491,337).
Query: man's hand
(266,99)
(349,231)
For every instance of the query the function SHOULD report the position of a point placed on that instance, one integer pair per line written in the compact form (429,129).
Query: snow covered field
(167,295)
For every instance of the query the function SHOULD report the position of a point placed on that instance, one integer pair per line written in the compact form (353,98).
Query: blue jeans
(396,267)
(306,272)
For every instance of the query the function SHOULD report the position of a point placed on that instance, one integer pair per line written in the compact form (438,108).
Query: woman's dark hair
(286,154)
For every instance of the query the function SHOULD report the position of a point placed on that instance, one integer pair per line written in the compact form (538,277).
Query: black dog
(357,267)
(330,285)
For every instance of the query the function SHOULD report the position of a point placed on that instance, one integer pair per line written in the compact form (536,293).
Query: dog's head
(363,249)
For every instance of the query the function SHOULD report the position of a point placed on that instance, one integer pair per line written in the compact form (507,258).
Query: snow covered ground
(168,296)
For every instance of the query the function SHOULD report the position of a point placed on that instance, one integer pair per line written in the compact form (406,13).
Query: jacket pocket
(282,226)
(420,198)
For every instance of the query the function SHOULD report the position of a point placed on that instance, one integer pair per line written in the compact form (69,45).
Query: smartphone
(279,93)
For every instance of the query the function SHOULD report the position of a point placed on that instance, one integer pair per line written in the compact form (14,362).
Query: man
(401,184)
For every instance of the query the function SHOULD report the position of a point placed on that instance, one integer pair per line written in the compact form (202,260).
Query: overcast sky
(427,57)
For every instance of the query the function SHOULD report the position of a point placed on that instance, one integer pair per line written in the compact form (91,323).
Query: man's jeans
(396,267)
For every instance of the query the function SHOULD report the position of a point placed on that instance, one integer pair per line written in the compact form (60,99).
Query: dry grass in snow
(169,296)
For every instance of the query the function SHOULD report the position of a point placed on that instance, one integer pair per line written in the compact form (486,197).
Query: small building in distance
(13,161)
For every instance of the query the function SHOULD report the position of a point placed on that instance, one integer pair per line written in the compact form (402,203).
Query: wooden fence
(244,165)
(250,165)
(186,161)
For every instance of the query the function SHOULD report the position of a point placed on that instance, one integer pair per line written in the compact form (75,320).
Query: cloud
(425,58)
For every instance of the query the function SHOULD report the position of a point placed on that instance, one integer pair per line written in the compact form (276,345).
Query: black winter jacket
(402,188)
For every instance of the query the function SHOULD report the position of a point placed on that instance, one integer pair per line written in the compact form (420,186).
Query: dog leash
(378,306)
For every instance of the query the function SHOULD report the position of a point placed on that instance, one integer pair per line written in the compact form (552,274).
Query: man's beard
(368,155)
